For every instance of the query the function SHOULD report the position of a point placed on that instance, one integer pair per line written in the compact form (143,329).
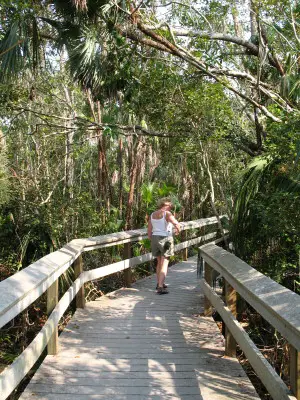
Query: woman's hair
(163,201)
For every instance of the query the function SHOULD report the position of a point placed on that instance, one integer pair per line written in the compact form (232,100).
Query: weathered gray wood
(52,300)
(127,253)
(23,288)
(274,384)
(295,371)
(134,261)
(140,346)
(230,298)
(277,304)
(208,275)
(37,278)
(78,269)
(137,234)
(13,374)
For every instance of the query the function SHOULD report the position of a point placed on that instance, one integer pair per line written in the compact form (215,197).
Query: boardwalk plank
(136,345)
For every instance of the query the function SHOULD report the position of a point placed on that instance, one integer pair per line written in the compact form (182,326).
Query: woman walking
(160,227)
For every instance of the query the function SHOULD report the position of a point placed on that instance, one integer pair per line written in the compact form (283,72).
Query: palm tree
(266,218)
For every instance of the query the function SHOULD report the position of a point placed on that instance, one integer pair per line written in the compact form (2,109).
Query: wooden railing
(275,303)
(22,289)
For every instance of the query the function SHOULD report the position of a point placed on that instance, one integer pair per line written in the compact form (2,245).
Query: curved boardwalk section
(136,345)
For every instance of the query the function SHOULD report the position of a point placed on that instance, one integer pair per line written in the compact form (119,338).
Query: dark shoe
(164,286)
(162,290)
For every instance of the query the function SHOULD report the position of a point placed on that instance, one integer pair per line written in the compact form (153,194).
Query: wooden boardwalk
(136,345)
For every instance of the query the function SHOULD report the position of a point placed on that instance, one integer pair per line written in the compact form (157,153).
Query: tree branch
(182,53)
(250,47)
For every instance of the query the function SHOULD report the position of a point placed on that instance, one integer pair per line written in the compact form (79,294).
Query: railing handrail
(274,302)
(23,288)
(14,373)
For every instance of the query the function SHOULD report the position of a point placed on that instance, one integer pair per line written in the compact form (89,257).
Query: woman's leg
(164,262)
(158,267)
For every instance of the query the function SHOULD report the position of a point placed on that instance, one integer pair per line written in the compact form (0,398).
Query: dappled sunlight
(225,384)
(134,343)
(154,366)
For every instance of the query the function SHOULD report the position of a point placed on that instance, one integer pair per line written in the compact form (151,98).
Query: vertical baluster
(52,300)
(295,371)
(208,274)
(78,269)
(127,273)
(230,299)
(184,237)
(200,263)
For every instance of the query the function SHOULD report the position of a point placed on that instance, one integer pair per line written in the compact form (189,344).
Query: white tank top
(160,227)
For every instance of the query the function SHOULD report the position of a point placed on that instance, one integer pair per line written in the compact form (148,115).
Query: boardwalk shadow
(170,364)
(137,345)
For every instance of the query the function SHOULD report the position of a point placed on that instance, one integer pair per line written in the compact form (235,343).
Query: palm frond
(251,180)
(264,180)
(148,191)
(84,59)
(79,8)
(290,87)
(19,48)
(12,49)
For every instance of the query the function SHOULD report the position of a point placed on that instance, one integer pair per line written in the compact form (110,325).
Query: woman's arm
(173,220)
(149,229)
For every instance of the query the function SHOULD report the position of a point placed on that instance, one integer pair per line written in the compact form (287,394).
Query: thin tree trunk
(106,184)
(212,197)
(104,189)
(69,160)
(120,178)
(253,27)
(2,141)
(133,177)
(99,172)
(139,182)
(238,28)
(228,209)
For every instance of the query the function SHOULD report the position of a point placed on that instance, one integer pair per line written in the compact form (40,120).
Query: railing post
(294,371)
(127,273)
(184,237)
(78,269)
(230,299)
(208,276)
(52,300)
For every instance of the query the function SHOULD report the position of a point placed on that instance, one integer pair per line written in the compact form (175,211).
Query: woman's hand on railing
(177,228)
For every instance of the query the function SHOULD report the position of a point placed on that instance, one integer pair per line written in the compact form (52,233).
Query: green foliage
(5,190)
(151,192)
(113,223)
(137,86)
(148,192)
(266,222)
(166,190)
(19,42)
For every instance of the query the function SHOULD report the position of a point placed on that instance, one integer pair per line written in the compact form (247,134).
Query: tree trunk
(260,132)
(69,160)
(238,28)
(120,162)
(212,196)
(139,182)
(99,172)
(133,177)
(253,27)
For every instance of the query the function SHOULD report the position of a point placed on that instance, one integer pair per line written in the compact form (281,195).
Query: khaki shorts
(158,249)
